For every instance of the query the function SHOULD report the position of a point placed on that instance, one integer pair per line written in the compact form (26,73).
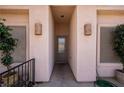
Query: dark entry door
(61,53)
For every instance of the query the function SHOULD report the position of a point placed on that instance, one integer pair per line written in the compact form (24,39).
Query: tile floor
(62,76)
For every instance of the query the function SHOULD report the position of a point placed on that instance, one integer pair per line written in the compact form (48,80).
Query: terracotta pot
(119,76)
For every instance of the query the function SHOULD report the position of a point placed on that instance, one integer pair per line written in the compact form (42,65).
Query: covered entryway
(62,17)
(68,43)
(62,76)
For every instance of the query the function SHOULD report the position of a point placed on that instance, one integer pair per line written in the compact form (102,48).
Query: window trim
(98,46)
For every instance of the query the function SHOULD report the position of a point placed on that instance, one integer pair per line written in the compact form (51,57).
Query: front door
(61,52)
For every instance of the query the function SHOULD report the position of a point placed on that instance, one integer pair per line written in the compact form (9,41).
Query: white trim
(98,47)
(27,36)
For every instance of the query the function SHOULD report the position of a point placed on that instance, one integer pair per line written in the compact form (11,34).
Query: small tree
(7,44)
(118,42)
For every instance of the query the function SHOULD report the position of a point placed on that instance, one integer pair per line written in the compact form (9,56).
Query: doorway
(62,16)
(61,50)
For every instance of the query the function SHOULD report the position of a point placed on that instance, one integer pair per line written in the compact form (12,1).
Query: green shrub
(118,42)
(7,44)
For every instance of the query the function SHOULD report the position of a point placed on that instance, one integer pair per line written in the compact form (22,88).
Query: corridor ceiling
(62,14)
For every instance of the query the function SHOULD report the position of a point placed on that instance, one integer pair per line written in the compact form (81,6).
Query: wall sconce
(38,29)
(87,29)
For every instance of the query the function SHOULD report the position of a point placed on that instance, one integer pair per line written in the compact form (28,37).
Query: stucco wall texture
(83,49)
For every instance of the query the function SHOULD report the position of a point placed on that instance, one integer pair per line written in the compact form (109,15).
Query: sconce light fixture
(38,29)
(87,29)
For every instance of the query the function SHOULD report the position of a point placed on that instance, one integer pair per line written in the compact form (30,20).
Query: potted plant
(118,42)
(7,46)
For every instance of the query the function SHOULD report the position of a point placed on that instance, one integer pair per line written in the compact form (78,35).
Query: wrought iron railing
(22,75)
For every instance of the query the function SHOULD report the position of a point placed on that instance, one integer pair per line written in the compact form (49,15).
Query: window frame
(98,46)
(27,35)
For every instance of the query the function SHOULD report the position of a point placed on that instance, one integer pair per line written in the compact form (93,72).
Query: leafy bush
(118,42)
(7,44)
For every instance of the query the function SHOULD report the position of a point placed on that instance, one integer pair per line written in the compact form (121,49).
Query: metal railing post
(33,70)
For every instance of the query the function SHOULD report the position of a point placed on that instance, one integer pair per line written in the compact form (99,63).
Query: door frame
(56,45)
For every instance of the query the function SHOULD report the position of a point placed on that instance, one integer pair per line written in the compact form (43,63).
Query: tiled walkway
(62,76)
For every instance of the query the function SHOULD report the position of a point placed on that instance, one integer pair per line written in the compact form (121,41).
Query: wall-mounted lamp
(87,29)
(38,29)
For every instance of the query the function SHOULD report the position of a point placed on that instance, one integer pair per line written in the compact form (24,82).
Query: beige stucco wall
(86,45)
(15,19)
(73,43)
(61,29)
(51,42)
(39,46)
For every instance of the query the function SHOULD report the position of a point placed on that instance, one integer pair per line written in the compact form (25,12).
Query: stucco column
(86,45)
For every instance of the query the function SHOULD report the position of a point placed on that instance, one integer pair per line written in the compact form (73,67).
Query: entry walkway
(62,76)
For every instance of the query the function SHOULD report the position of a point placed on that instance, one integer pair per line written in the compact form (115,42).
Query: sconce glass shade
(87,29)
(38,29)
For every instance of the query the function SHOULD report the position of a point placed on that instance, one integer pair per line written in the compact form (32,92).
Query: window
(107,54)
(19,32)
(61,45)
